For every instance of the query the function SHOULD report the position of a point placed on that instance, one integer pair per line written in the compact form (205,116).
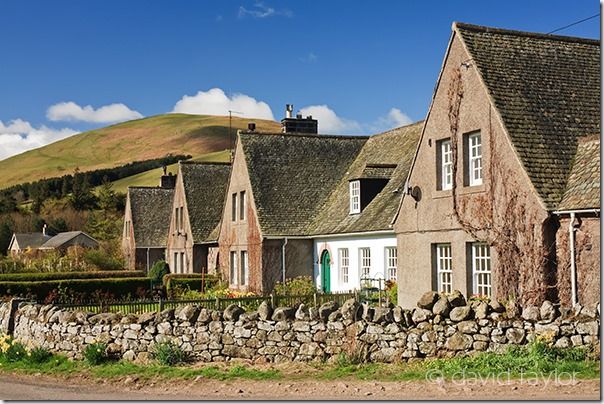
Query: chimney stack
(289,124)
(251,127)
(167,181)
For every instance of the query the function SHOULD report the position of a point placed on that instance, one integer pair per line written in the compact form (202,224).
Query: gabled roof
(62,238)
(205,187)
(547,91)
(30,240)
(151,209)
(292,175)
(379,155)
(583,188)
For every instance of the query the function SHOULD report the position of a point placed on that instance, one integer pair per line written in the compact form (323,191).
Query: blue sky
(360,66)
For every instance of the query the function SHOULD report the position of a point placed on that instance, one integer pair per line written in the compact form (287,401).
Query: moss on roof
(151,209)
(583,188)
(547,90)
(292,175)
(205,188)
(395,147)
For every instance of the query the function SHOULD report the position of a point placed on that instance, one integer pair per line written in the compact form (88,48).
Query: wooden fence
(250,303)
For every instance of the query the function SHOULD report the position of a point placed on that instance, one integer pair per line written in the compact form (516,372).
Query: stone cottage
(196,212)
(278,184)
(489,200)
(354,242)
(146,223)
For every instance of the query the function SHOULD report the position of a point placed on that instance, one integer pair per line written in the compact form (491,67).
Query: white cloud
(331,123)
(70,111)
(19,136)
(216,102)
(260,10)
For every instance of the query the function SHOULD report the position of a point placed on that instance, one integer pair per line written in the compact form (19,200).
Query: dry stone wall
(441,326)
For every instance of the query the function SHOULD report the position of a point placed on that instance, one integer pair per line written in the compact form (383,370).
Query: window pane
(233,268)
(244,268)
(355,196)
(446,157)
(242,205)
(444,271)
(234,207)
(344,264)
(475,161)
(481,269)
(391,262)
(365,269)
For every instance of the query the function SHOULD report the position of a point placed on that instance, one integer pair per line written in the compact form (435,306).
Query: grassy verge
(537,360)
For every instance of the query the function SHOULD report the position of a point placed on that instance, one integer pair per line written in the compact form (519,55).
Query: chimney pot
(251,126)
(289,108)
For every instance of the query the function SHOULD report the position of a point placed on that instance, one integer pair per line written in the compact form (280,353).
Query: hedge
(52,276)
(192,281)
(118,287)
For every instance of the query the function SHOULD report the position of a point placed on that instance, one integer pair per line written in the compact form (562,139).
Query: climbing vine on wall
(501,216)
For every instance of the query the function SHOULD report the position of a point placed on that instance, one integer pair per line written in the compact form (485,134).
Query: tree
(106,195)
(6,233)
(81,195)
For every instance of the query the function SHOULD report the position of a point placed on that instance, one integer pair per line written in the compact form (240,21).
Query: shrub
(51,276)
(39,355)
(301,285)
(11,350)
(392,292)
(102,260)
(157,272)
(169,354)
(83,288)
(96,353)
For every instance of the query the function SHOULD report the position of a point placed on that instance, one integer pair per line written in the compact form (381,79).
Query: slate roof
(31,240)
(547,90)
(62,238)
(205,189)
(583,188)
(393,148)
(151,209)
(292,175)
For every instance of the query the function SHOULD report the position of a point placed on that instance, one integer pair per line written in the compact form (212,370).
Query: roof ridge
(148,187)
(389,131)
(311,135)
(539,35)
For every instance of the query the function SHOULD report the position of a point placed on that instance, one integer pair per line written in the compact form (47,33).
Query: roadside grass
(538,359)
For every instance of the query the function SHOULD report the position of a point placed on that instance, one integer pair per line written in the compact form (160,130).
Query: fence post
(217,303)
(316,299)
(272,300)
(161,304)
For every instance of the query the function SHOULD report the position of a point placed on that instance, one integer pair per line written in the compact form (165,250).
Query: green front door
(325,278)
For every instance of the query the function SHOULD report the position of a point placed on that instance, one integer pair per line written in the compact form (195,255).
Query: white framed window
(234,207)
(481,269)
(243,276)
(365,260)
(242,205)
(344,264)
(233,268)
(391,262)
(475,159)
(355,196)
(446,163)
(444,268)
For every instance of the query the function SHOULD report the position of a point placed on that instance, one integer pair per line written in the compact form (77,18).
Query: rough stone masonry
(443,325)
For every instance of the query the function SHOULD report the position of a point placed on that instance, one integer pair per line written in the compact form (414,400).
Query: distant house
(146,225)
(196,211)
(63,241)
(277,186)
(502,171)
(354,240)
(21,242)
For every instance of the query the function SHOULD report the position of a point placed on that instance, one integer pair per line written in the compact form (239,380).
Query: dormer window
(355,196)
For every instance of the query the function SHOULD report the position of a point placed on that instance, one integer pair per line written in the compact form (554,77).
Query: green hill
(137,140)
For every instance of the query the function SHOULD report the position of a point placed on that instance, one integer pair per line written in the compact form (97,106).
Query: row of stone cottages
(496,193)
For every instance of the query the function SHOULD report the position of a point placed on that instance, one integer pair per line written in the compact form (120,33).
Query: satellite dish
(416,193)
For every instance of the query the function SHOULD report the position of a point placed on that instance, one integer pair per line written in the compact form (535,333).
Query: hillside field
(136,140)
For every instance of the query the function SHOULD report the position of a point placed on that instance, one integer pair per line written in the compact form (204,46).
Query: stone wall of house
(441,326)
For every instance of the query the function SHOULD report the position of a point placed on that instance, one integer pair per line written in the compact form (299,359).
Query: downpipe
(573,265)
(283,258)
